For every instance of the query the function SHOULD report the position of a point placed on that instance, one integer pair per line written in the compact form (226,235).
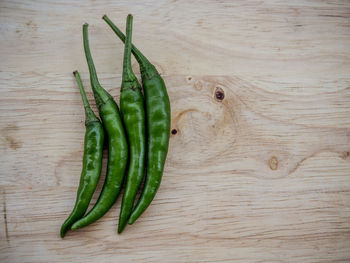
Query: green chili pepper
(117,145)
(133,114)
(92,162)
(157,122)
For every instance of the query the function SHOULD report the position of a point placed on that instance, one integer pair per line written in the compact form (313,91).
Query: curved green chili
(133,114)
(117,145)
(157,122)
(92,162)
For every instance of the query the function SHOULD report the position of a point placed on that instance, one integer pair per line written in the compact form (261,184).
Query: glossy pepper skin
(133,114)
(92,162)
(117,144)
(158,121)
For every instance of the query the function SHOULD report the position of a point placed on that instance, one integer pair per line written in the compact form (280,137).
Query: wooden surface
(262,176)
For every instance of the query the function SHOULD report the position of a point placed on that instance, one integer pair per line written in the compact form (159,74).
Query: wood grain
(258,170)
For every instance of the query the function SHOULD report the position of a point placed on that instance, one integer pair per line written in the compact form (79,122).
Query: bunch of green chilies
(126,136)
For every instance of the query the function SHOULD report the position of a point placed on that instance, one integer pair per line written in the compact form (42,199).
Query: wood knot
(198,85)
(273,162)
(173,131)
(219,94)
(345,155)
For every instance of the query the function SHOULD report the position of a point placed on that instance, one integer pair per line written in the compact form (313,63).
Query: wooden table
(260,176)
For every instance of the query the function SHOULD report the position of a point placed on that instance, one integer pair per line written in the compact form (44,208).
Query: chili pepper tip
(75,72)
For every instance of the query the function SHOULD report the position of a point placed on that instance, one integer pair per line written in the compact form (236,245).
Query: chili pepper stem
(100,95)
(89,114)
(128,75)
(145,65)
(82,91)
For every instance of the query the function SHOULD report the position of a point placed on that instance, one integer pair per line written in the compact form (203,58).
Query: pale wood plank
(271,38)
(216,216)
(262,176)
(222,188)
(42,126)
